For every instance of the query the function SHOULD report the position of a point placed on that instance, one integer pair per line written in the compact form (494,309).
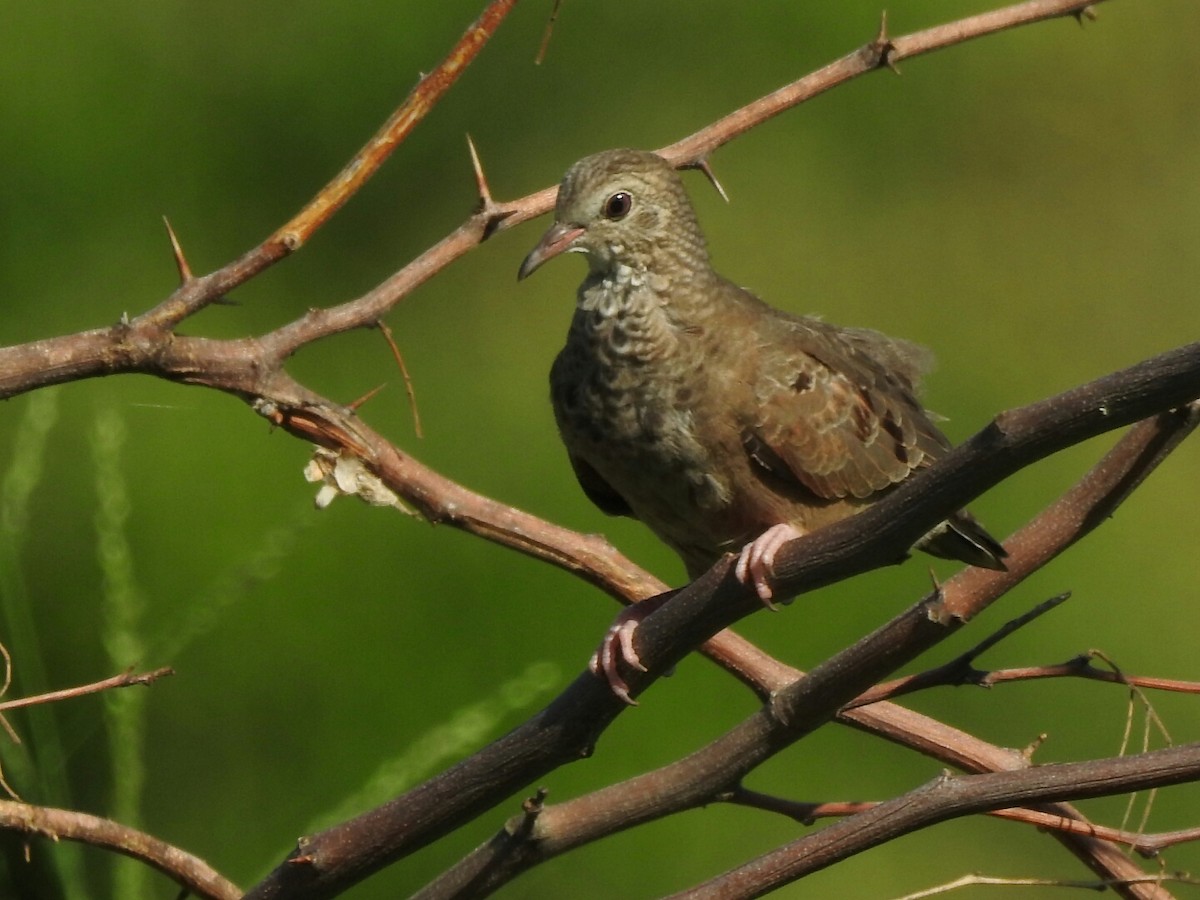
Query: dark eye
(617,206)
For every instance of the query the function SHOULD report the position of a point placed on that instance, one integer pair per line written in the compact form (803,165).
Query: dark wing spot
(766,458)
(899,448)
(864,420)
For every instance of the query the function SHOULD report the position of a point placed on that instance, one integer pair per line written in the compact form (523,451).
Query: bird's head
(623,208)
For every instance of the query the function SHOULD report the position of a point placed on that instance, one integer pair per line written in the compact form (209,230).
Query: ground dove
(723,424)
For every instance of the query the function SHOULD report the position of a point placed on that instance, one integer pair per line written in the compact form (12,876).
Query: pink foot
(756,559)
(616,647)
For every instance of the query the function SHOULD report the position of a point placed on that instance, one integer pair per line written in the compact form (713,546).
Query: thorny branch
(196,293)
(798,708)
(252,369)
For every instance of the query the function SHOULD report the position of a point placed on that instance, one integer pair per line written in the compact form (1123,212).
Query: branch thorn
(703,165)
(1085,12)
(485,193)
(882,47)
(181,263)
(531,808)
(488,207)
(356,404)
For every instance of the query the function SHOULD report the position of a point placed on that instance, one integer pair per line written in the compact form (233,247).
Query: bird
(722,423)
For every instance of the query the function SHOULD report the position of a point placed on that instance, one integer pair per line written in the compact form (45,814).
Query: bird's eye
(617,206)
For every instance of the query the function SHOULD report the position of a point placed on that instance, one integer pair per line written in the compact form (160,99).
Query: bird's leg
(617,646)
(757,557)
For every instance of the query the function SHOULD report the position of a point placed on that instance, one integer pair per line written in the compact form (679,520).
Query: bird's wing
(836,409)
(598,490)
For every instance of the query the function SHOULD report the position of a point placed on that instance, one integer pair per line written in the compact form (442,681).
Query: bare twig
(882,52)
(195,293)
(545,45)
(806,813)
(950,797)
(1155,880)
(1081,667)
(189,871)
(408,382)
(959,670)
(125,679)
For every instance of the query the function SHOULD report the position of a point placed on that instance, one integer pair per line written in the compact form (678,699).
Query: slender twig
(408,382)
(959,670)
(1081,667)
(545,44)
(125,679)
(882,52)
(954,673)
(1156,880)
(946,798)
(195,293)
(189,871)
(807,813)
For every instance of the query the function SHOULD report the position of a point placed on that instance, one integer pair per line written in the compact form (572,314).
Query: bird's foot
(617,648)
(754,564)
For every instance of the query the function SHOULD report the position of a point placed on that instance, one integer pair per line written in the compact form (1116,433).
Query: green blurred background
(1028,205)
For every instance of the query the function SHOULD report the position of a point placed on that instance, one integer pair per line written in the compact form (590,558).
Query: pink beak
(558,238)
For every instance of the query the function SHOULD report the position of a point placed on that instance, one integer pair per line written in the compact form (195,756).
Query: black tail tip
(963,538)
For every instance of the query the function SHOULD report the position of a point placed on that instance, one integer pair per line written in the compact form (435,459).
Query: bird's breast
(624,390)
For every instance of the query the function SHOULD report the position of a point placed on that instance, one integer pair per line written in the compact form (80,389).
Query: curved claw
(616,648)
(755,562)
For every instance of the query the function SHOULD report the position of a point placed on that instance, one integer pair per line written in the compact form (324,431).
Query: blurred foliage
(1028,205)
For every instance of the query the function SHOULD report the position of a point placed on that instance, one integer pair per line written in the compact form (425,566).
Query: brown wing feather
(837,410)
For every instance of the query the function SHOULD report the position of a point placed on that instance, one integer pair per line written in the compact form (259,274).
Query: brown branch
(545,45)
(1147,845)
(408,382)
(1155,880)
(950,797)
(959,671)
(192,873)
(125,348)
(251,369)
(807,813)
(1081,667)
(690,152)
(125,679)
(195,293)
(566,729)
(883,52)
(712,772)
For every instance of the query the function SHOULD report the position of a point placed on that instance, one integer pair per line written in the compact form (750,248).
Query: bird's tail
(961,537)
